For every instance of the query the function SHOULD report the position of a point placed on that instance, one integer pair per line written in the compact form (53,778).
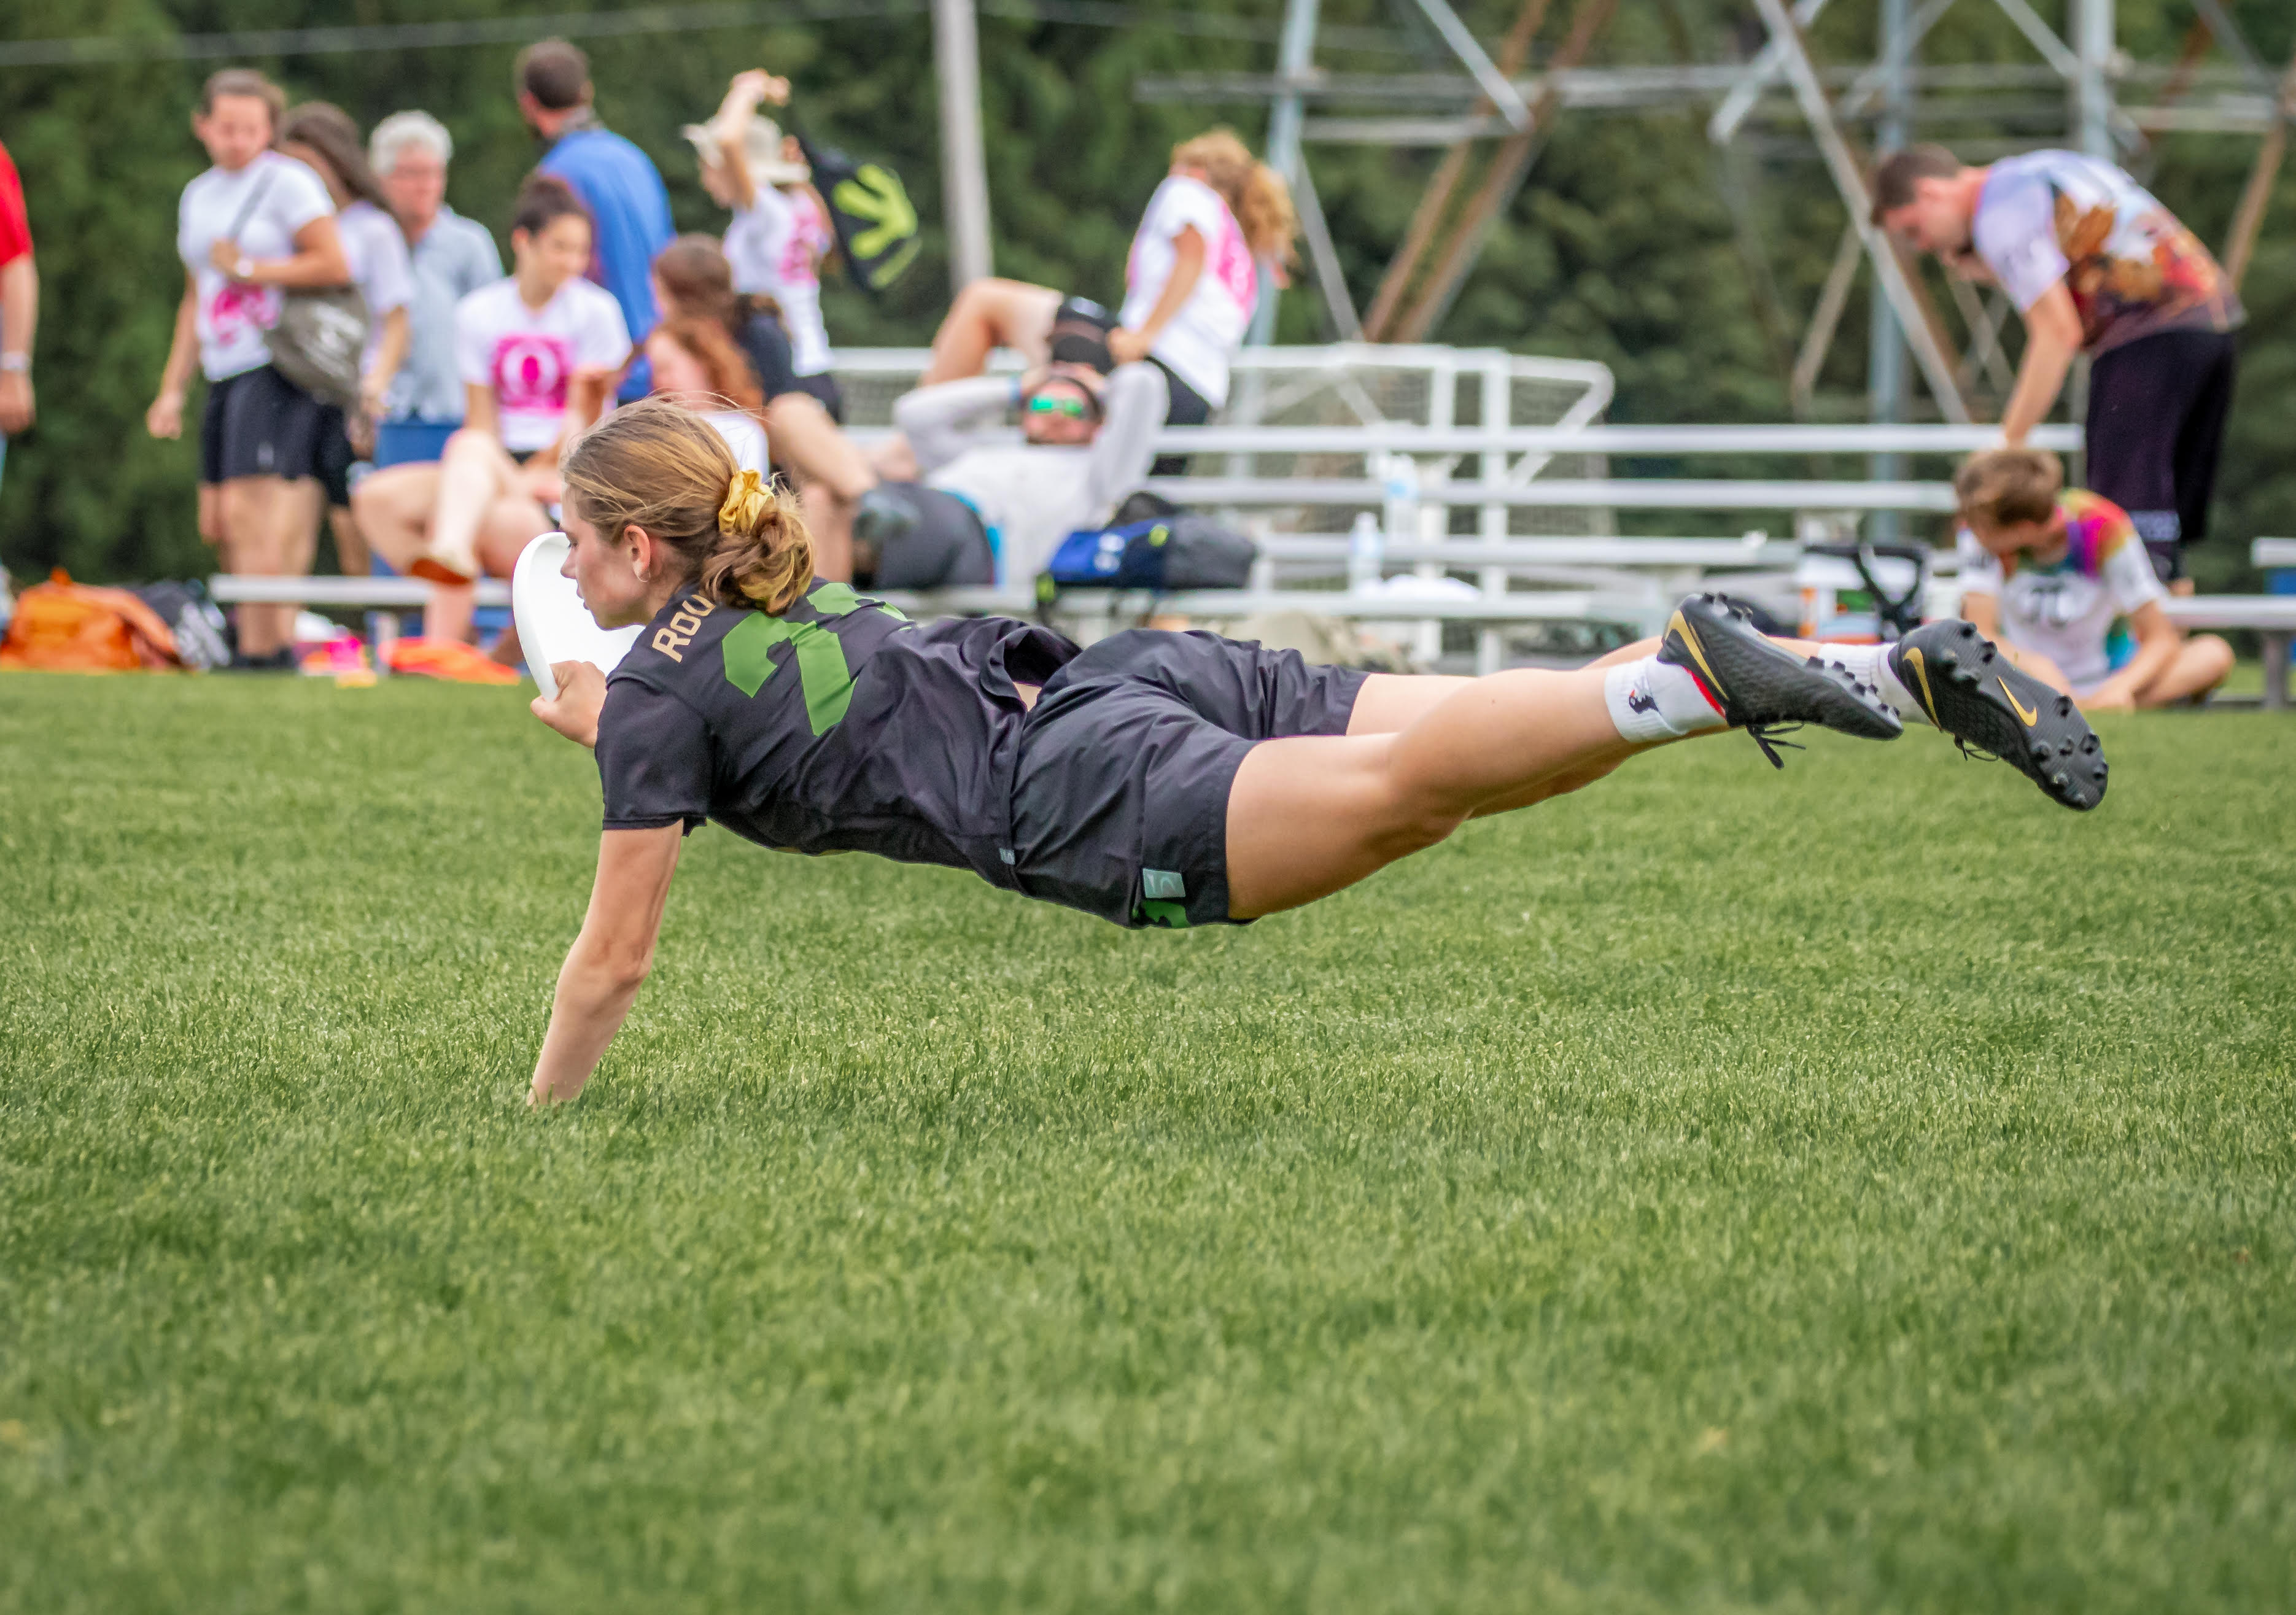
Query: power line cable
(98,50)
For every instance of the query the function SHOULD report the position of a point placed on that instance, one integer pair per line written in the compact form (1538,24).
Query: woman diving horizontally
(1153,779)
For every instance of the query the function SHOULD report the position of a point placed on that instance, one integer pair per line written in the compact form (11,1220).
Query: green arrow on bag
(876,196)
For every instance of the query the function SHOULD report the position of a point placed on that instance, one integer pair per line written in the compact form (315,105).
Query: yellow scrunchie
(748,503)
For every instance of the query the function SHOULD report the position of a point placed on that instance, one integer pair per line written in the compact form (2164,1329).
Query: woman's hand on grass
(573,711)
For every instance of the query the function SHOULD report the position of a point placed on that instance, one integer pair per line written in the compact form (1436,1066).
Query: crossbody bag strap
(254,200)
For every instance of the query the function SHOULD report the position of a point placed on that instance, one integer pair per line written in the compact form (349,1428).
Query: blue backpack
(1170,552)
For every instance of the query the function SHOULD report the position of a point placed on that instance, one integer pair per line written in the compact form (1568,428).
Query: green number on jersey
(820,655)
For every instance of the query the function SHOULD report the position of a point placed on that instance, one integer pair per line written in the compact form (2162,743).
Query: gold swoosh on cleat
(1681,625)
(2031,714)
(1922,672)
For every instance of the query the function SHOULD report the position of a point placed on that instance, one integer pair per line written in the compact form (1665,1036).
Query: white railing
(1428,439)
(1467,460)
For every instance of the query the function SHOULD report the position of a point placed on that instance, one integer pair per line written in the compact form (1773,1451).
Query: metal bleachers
(1433,485)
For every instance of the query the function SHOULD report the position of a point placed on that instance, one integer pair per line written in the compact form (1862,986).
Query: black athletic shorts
(1120,795)
(333,459)
(257,423)
(2157,408)
(823,386)
(1188,407)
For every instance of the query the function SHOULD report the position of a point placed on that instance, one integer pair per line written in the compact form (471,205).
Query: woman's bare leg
(988,315)
(831,474)
(511,523)
(1311,815)
(2200,666)
(393,511)
(474,472)
(351,544)
(268,524)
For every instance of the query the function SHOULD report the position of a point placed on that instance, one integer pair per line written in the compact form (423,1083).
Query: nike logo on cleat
(2031,714)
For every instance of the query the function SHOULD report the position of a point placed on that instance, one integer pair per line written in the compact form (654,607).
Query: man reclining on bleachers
(985,507)
(2059,576)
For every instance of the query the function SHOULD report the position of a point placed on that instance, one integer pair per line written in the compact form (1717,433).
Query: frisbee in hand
(554,625)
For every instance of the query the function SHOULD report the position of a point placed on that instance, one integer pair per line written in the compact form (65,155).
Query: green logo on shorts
(1164,900)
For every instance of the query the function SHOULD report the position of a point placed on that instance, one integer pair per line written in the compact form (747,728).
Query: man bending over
(2096,266)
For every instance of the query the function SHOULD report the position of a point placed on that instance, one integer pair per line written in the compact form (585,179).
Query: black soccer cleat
(1973,693)
(1764,688)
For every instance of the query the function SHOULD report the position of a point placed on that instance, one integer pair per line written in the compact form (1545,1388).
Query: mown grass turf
(1866,1188)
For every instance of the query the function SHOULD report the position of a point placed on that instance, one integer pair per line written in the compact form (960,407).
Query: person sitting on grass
(540,354)
(2056,572)
(1155,779)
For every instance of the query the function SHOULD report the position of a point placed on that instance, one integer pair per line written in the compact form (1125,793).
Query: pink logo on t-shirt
(239,307)
(530,372)
(1231,264)
(809,236)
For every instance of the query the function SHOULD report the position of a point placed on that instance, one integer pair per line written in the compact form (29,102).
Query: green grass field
(1867,1188)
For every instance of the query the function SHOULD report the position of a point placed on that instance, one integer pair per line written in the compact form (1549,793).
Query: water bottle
(1367,547)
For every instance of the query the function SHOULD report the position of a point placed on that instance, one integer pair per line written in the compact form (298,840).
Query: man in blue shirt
(616,181)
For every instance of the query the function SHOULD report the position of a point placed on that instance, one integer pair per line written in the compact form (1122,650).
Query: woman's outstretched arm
(610,959)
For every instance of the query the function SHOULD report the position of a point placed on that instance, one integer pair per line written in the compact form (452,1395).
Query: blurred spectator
(2062,578)
(2095,265)
(20,306)
(1085,445)
(255,223)
(1191,281)
(325,138)
(451,257)
(629,209)
(780,232)
(540,353)
(692,276)
(694,363)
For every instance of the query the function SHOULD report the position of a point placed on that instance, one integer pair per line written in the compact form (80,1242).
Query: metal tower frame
(1493,120)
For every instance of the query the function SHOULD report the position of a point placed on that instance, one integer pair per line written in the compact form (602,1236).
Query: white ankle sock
(1652,700)
(1871,663)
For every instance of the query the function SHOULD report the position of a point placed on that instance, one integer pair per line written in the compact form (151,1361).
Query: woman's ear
(642,551)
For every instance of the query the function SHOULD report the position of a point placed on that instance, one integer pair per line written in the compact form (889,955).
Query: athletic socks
(1871,664)
(1652,700)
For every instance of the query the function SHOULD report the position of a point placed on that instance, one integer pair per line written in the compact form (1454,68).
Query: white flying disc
(554,625)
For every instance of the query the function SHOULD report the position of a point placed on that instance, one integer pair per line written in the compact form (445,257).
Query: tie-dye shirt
(2133,269)
(2069,610)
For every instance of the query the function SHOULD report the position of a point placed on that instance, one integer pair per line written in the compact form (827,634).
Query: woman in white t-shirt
(780,235)
(540,354)
(1218,224)
(324,138)
(252,226)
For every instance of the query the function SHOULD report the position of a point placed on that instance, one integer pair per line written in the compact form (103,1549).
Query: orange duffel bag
(63,626)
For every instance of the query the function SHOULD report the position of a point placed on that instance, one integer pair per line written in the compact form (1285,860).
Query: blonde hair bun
(658,465)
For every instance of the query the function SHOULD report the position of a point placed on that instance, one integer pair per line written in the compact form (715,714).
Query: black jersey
(838,726)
